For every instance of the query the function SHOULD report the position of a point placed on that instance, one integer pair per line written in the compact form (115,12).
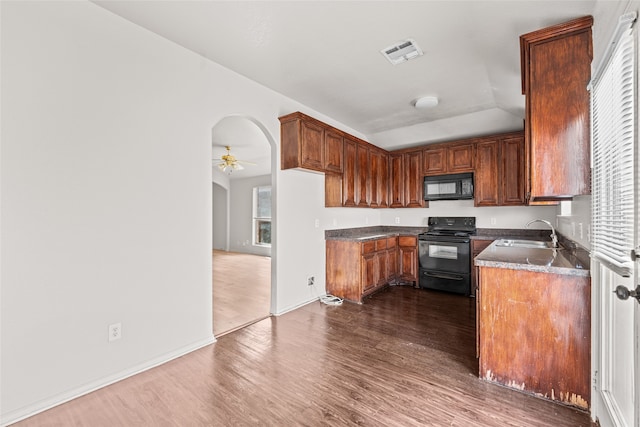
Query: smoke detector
(402,51)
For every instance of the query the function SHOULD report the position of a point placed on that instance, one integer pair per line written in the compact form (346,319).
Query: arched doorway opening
(243,238)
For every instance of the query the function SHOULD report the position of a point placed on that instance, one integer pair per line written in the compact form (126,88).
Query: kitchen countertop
(570,260)
(362,234)
(567,261)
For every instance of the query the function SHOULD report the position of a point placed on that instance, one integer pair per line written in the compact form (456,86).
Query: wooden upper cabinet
(512,171)
(448,158)
(556,69)
(414,179)
(379,177)
(363,176)
(435,160)
(310,144)
(460,158)
(333,151)
(349,173)
(396,180)
(487,176)
(499,172)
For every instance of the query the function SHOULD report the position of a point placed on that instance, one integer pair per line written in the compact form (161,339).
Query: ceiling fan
(229,163)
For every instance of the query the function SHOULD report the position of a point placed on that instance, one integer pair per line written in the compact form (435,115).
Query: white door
(616,399)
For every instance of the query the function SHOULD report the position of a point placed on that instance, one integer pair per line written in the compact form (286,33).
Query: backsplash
(573,220)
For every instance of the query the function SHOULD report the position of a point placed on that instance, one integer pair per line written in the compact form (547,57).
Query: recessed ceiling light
(426,102)
(402,51)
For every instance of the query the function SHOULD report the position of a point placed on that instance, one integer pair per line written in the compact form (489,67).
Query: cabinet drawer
(368,247)
(407,241)
(391,242)
(381,244)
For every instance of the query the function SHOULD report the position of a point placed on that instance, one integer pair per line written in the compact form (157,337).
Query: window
(613,137)
(262,216)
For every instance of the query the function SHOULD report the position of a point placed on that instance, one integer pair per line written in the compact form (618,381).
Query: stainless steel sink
(515,243)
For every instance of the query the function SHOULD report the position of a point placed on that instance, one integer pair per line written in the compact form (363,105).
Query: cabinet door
(512,172)
(460,158)
(374,175)
(379,175)
(382,264)
(477,246)
(369,271)
(333,152)
(413,179)
(408,258)
(363,180)
(557,112)
(397,180)
(487,175)
(434,161)
(392,264)
(349,173)
(312,146)
(383,181)
(333,190)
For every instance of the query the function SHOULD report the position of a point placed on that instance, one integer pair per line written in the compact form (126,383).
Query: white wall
(220,217)
(241,215)
(486,217)
(106,200)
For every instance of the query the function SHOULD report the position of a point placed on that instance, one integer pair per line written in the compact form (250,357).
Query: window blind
(612,144)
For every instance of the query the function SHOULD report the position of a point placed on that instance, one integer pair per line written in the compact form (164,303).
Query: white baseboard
(293,307)
(43,405)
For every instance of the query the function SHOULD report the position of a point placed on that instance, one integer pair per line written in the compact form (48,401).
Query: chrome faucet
(554,238)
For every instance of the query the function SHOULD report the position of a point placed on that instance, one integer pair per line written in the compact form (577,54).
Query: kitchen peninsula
(534,328)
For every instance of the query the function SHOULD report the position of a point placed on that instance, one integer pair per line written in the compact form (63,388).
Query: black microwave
(448,187)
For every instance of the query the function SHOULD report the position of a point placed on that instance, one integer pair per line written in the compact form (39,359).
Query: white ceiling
(326,55)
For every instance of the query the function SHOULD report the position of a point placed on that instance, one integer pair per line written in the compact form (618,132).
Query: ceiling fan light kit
(229,163)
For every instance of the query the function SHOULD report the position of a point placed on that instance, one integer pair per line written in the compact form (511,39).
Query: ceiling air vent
(402,51)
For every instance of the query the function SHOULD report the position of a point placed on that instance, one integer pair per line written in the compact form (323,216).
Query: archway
(242,271)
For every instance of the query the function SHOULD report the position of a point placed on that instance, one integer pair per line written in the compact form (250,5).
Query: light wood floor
(241,290)
(406,357)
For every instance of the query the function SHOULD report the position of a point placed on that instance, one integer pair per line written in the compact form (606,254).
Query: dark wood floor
(406,357)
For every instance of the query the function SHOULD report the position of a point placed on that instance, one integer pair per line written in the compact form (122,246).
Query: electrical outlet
(115,331)
(580,230)
(493,221)
(311,280)
(397,220)
(316,223)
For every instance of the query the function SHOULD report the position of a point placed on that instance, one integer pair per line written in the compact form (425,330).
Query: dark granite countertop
(570,261)
(378,232)
(510,233)
(362,234)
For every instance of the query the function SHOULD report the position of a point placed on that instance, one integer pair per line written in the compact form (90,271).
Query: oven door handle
(443,276)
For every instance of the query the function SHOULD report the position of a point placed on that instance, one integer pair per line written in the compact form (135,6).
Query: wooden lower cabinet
(477,246)
(535,333)
(356,269)
(408,258)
